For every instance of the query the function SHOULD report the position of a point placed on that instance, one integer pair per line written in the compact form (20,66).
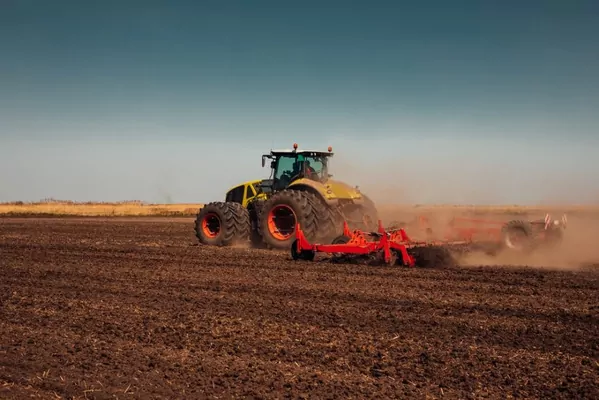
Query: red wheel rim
(211,225)
(281,222)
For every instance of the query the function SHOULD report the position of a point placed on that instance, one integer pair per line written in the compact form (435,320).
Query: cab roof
(300,151)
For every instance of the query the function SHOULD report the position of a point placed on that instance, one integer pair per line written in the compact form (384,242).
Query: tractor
(300,190)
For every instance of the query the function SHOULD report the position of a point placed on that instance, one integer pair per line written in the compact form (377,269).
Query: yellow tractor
(300,189)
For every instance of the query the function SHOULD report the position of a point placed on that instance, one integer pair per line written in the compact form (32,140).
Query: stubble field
(133,308)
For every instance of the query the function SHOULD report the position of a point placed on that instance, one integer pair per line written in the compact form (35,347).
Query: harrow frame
(388,244)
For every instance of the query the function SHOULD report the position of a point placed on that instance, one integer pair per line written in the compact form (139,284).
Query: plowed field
(134,309)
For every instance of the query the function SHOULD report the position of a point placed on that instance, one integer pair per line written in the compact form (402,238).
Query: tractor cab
(290,165)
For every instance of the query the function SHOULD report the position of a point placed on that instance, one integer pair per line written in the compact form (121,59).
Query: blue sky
(430,101)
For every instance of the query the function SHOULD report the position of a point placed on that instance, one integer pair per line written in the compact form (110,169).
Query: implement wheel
(223,224)
(518,236)
(306,255)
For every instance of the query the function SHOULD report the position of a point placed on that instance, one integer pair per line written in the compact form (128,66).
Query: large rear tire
(370,214)
(223,224)
(363,217)
(286,208)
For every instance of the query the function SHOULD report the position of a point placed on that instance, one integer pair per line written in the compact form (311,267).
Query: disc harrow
(395,247)
(390,247)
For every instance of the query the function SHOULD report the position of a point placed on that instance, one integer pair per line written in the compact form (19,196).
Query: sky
(423,102)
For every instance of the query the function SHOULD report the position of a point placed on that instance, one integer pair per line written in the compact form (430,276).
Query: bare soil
(103,309)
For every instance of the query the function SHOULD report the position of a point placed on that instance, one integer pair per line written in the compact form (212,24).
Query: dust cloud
(410,180)
(406,188)
(578,250)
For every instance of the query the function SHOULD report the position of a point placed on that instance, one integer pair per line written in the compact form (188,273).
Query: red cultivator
(391,247)
(394,246)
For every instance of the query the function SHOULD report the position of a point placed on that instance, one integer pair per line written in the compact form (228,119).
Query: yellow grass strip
(99,209)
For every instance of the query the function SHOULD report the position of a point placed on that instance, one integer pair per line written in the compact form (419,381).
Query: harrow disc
(371,259)
(433,257)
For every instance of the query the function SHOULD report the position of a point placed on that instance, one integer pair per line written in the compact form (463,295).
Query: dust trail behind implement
(579,250)
(97,308)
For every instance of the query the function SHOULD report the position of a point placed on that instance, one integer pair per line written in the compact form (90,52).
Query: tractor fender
(315,187)
(331,192)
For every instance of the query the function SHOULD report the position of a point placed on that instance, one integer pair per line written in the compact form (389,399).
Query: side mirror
(262,162)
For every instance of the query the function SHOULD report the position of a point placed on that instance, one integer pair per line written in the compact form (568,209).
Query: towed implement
(395,247)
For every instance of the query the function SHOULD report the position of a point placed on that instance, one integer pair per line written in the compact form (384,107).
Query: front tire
(223,224)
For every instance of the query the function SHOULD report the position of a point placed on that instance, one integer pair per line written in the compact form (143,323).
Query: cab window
(285,164)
